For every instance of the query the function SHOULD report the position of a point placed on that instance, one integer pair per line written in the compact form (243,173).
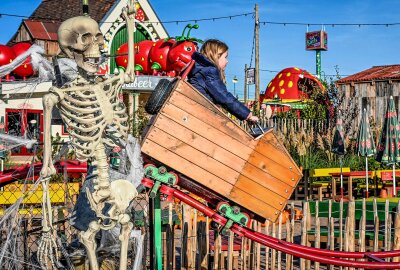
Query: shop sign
(250,76)
(144,83)
(317,40)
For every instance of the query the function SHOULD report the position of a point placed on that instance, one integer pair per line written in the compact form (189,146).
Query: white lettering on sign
(147,83)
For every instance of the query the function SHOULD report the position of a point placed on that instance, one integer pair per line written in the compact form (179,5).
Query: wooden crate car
(194,137)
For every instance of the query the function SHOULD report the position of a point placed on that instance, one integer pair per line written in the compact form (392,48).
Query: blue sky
(351,48)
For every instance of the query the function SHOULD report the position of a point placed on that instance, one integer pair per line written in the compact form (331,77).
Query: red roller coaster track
(337,258)
(31,171)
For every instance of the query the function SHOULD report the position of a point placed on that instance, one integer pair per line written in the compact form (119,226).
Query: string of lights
(329,24)
(326,75)
(230,17)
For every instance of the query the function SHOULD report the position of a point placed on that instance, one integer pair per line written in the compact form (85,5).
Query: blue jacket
(205,77)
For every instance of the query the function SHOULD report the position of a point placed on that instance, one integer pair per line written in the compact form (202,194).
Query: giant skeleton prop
(96,118)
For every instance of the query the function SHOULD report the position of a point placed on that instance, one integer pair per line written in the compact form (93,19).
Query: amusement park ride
(189,144)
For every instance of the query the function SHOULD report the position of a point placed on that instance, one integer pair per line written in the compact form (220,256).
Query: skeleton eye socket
(87,38)
(100,40)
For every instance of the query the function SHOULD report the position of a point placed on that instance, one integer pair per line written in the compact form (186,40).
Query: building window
(364,103)
(26,124)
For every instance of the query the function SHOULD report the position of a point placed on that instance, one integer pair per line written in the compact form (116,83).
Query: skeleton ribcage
(94,115)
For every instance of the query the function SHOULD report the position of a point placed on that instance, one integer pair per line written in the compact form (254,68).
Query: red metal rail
(73,168)
(309,253)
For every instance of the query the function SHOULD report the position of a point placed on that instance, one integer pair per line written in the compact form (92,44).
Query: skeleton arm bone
(128,14)
(49,101)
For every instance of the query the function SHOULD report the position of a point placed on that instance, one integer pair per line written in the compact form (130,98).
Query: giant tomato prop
(25,69)
(7,55)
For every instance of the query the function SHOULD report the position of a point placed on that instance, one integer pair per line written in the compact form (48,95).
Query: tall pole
(257,57)
(245,84)
(318,63)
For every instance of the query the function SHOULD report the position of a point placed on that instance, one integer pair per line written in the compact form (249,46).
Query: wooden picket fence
(346,226)
(193,243)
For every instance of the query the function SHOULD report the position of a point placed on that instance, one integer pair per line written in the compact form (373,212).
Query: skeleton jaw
(89,63)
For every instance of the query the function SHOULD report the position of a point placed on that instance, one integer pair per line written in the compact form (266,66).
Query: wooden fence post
(396,240)
(304,229)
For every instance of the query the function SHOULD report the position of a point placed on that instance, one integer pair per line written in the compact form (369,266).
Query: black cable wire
(228,17)
(253,47)
(330,24)
(327,75)
(147,22)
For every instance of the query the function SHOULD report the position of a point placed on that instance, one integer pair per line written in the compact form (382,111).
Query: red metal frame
(32,171)
(309,253)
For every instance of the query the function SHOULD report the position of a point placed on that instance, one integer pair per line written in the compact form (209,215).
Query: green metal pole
(135,107)
(318,63)
(157,232)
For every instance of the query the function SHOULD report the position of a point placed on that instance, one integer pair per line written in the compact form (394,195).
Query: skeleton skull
(80,38)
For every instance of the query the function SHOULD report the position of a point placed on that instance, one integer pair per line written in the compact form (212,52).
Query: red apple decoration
(25,69)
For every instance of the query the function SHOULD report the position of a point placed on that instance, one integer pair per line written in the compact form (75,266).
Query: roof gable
(62,10)
(114,20)
(387,72)
(42,30)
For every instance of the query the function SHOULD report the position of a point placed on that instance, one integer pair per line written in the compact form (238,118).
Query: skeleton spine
(102,185)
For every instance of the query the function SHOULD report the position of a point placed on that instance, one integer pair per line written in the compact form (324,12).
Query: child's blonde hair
(213,49)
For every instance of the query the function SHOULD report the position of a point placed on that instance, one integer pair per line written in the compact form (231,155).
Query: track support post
(233,215)
(160,176)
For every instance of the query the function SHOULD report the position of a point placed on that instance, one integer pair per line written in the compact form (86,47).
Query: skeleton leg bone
(126,228)
(87,238)
(47,250)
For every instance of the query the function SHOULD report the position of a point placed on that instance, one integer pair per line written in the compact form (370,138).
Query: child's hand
(252,118)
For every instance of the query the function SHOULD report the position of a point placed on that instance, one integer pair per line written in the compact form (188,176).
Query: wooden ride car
(195,138)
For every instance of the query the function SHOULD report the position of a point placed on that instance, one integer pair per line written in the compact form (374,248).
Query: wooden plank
(189,91)
(243,254)
(341,225)
(266,180)
(195,156)
(200,143)
(363,226)
(187,168)
(317,240)
(274,150)
(273,252)
(279,237)
(304,230)
(396,239)
(207,130)
(275,169)
(388,224)
(230,251)
(254,204)
(194,239)
(267,248)
(216,119)
(260,192)
(217,252)
(351,227)
(331,229)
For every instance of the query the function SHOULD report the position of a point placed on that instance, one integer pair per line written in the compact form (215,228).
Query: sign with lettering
(144,83)
(250,75)
(317,40)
